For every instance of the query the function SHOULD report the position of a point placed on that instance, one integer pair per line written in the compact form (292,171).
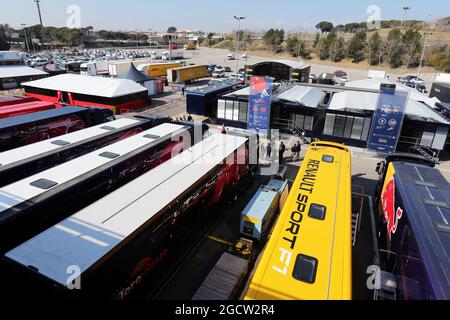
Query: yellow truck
(191,46)
(158,69)
(186,74)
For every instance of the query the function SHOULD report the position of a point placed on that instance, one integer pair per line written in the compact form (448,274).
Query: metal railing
(415,146)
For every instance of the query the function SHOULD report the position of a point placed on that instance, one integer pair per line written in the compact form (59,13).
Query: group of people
(184,118)
(296,149)
(281,151)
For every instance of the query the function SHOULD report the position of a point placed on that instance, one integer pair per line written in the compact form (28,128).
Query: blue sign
(259,104)
(387,121)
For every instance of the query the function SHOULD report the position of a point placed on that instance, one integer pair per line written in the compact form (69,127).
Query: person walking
(224,130)
(269,151)
(282,150)
(295,152)
(183,89)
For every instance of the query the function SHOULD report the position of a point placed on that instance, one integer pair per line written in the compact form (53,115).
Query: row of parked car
(414,82)
(219,74)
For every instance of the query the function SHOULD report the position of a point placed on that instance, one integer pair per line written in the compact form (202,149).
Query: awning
(19,71)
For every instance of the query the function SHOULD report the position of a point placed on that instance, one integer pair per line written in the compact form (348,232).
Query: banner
(387,121)
(259,104)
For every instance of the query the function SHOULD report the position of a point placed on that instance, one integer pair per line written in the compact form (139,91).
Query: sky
(212,15)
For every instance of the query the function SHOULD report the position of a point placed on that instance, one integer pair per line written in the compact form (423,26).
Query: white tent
(374,84)
(367,101)
(88,85)
(305,96)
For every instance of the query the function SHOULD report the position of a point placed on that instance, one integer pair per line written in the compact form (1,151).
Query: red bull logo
(391,216)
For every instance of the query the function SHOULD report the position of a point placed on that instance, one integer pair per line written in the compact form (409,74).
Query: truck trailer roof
(98,230)
(425,195)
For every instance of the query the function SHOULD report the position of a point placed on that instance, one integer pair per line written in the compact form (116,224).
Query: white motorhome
(377,74)
(94,68)
(443,77)
(175,55)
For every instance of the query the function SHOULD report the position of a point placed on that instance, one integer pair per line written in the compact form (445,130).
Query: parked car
(227,69)
(218,74)
(38,62)
(241,71)
(210,69)
(419,86)
(231,56)
(340,76)
(411,79)
(238,76)
(244,56)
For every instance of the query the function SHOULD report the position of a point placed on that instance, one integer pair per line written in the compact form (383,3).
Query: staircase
(298,132)
(427,153)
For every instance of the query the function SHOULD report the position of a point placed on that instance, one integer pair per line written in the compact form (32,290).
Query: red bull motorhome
(413,200)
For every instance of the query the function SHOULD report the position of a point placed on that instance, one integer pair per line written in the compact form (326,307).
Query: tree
(395,59)
(357,46)
(338,50)
(172,30)
(326,46)
(412,47)
(274,38)
(375,47)
(324,26)
(324,49)
(296,47)
(4,45)
(316,40)
(394,47)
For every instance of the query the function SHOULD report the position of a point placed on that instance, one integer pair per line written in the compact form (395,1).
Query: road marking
(218,240)
(210,237)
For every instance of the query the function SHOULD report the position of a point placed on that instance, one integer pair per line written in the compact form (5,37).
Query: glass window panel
(339,126)
(348,127)
(236,111)
(358,125)
(243,111)
(365,133)
(308,123)
(221,109)
(229,110)
(299,120)
(427,139)
(329,124)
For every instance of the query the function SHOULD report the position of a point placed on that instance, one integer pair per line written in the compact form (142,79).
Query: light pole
(39,11)
(406,9)
(25,34)
(426,34)
(237,41)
